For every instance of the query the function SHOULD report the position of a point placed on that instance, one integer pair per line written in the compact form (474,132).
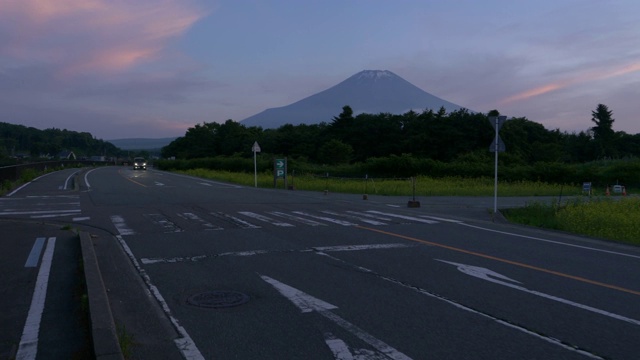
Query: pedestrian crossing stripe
(247,219)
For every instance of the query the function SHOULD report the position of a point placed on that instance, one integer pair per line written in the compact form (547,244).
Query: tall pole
(256,149)
(255,170)
(495,177)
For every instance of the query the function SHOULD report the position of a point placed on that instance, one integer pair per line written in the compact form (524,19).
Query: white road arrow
(494,277)
(307,303)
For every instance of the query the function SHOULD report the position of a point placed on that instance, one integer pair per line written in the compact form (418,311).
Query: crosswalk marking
(405,217)
(235,220)
(264,218)
(297,218)
(352,215)
(164,222)
(194,217)
(249,219)
(332,220)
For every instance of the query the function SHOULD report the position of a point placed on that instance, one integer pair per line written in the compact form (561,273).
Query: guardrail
(14,172)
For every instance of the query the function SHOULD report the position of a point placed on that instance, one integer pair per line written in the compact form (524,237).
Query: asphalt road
(201,269)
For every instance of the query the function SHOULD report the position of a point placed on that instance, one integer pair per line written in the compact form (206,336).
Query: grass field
(609,218)
(424,186)
(614,218)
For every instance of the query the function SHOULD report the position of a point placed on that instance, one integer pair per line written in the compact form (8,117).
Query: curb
(103,329)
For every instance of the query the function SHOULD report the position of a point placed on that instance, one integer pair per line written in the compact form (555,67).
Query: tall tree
(603,133)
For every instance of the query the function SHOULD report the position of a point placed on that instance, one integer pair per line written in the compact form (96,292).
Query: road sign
(501,147)
(500,120)
(255,147)
(280,168)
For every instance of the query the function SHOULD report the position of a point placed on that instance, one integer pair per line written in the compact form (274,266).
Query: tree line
(437,135)
(23,141)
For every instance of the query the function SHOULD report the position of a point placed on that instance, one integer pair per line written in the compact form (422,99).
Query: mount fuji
(369,91)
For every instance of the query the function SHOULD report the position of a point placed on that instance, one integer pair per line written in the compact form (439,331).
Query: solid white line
(403,217)
(185,343)
(39,212)
(34,255)
(18,189)
(307,303)
(473,311)
(86,177)
(28,348)
(440,219)
(552,241)
(66,182)
(360,247)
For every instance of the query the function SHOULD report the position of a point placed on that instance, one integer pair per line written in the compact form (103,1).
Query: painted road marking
(28,348)
(297,218)
(264,219)
(419,290)
(34,255)
(441,219)
(307,218)
(184,343)
(307,303)
(121,226)
(328,219)
(496,278)
(235,220)
(404,217)
(321,249)
(552,241)
(506,261)
(353,215)
(194,217)
(164,222)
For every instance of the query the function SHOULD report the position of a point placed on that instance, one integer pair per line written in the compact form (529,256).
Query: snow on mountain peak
(374,74)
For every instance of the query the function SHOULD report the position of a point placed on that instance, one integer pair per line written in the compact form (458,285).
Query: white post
(256,149)
(495,178)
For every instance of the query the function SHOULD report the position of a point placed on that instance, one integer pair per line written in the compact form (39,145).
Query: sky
(154,68)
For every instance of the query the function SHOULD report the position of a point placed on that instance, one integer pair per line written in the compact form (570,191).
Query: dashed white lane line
(322,249)
(28,348)
(121,226)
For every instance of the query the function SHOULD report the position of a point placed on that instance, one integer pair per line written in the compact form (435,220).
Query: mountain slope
(141,144)
(369,91)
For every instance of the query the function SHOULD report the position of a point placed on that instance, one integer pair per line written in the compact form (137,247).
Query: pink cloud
(582,78)
(87,36)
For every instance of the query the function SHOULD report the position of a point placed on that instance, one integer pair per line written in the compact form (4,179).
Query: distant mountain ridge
(141,143)
(369,91)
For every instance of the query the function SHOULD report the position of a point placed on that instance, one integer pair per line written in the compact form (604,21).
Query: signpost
(496,147)
(280,171)
(256,149)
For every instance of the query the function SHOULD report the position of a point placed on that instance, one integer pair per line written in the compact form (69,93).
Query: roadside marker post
(256,149)
(496,147)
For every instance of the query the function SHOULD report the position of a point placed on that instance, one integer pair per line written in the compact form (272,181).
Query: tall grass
(615,219)
(424,185)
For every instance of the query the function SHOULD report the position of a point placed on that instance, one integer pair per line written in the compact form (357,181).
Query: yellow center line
(133,181)
(519,264)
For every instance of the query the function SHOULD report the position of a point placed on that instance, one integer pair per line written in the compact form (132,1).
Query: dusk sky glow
(154,68)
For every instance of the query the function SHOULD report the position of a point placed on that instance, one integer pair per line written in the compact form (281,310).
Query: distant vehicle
(139,163)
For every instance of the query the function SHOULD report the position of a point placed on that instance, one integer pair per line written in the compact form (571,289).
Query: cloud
(584,77)
(86,36)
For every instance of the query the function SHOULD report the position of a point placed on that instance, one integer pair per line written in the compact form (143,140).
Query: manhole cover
(218,299)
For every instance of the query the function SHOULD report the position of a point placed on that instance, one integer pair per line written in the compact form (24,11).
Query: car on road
(139,163)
